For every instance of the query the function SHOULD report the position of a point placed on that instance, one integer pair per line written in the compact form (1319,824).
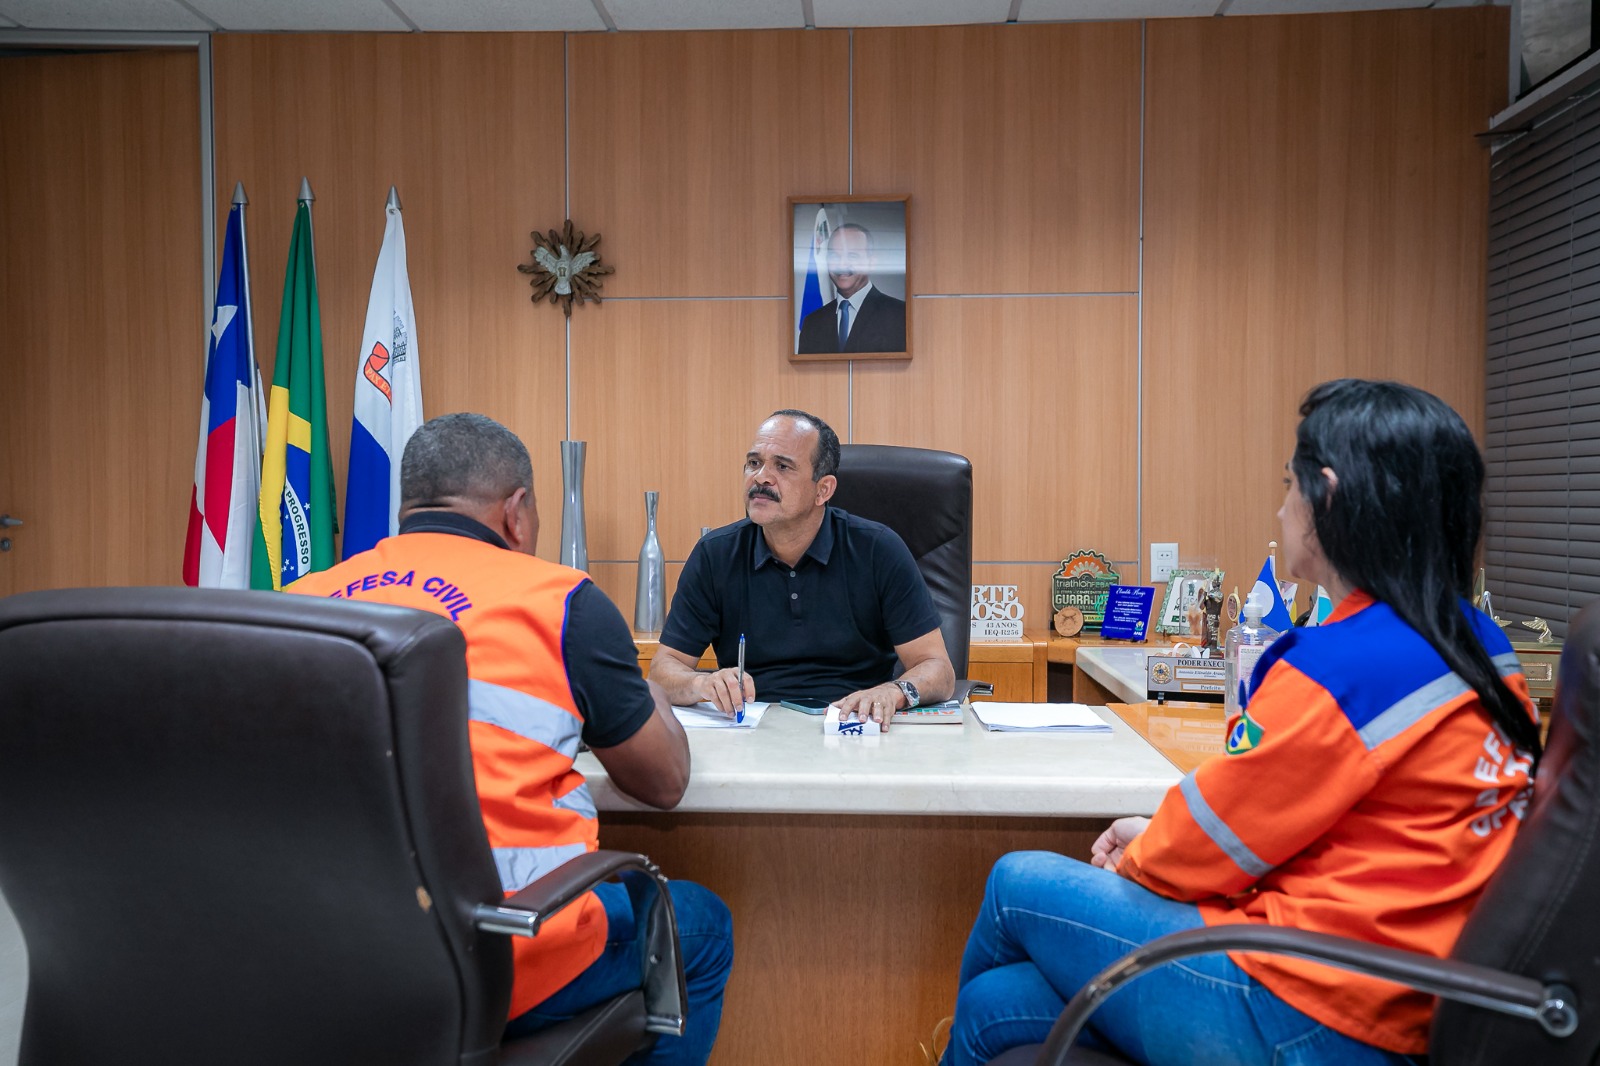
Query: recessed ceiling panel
(1096,10)
(909,12)
(1309,7)
(101,15)
(502,15)
(706,14)
(305,15)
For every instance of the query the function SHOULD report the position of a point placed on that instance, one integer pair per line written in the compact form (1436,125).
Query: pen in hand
(738,716)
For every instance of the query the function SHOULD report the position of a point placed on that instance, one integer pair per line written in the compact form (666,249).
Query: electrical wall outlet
(1163,560)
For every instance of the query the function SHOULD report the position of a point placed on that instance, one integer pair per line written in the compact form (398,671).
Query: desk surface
(1120,669)
(786,766)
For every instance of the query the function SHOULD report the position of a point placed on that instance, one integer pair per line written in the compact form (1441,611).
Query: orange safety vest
(1364,793)
(523,723)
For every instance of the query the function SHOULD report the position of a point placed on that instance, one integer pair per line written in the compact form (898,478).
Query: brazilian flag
(1244,735)
(296,524)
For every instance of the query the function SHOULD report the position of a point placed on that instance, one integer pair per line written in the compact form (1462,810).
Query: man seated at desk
(824,601)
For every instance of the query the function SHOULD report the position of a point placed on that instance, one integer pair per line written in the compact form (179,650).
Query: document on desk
(706,716)
(1038,717)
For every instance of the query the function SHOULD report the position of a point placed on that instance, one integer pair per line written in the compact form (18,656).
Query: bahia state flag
(817,290)
(294,534)
(227,464)
(388,406)
(1277,614)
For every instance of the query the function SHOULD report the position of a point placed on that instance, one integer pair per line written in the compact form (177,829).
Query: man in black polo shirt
(826,601)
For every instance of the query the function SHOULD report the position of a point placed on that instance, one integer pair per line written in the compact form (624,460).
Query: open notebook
(1039,718)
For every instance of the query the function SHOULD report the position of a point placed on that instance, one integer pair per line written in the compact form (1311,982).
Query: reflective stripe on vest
(521,867)
(527,716)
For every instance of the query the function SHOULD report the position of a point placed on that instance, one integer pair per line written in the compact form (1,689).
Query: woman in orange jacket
(1369,789)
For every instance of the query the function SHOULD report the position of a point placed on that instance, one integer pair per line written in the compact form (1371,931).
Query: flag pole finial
(394,199)
(239,198)
(305,190)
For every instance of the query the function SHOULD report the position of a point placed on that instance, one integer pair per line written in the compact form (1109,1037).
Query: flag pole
(394,199)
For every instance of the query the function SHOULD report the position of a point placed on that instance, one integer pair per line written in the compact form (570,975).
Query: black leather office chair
(926,497)
(1522,983)
(241,827)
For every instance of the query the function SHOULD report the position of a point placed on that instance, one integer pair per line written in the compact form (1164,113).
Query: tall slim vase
(650,597)
(574,539)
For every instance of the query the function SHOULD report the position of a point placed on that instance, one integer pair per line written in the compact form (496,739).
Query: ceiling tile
(1308,7)
(305,15)
(909,12)
(1086,10)
(502,15)
(101,15)
(706,14)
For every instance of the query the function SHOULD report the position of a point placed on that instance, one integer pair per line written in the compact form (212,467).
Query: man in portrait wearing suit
(860,317)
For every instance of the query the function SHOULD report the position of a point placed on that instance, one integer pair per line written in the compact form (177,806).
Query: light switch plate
(1163,560)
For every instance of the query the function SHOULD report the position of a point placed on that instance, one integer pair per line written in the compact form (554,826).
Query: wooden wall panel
(469,128)
(669,395)
(1315,208)
(101,317)
(1019,147)
(686,147)
(1041,394)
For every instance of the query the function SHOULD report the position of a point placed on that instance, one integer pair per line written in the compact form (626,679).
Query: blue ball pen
(738,716)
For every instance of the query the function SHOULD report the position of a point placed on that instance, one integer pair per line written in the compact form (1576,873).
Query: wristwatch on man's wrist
(910,692)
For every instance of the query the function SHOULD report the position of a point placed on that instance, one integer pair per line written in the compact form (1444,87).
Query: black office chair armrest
(1552,1006)
(521,914)
(965,690)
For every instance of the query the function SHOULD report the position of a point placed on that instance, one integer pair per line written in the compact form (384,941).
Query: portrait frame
(884,319)
(1182,588)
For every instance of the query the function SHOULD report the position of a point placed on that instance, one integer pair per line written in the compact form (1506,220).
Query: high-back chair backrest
(1540,916)
(241,827)
(926,497)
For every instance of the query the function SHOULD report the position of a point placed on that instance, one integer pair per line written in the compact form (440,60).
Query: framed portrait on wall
(850,278)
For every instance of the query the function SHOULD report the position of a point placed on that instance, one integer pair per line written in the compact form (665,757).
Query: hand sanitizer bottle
(1245,644)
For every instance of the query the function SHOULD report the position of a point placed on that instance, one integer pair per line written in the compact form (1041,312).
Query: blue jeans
(1049,923)
(705,935)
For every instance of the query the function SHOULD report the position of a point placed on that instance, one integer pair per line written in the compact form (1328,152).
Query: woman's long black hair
(1403,522)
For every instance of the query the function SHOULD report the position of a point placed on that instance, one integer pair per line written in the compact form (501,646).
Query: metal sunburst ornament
(565,267)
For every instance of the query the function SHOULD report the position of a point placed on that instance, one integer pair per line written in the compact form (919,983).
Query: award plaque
(1083,581)
(1184,589)
(1127,611)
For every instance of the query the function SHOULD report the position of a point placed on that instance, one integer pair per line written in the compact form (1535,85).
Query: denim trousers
(705,936)
(1049,923)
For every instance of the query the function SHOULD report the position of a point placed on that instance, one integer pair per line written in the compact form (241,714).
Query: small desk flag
(1321,607)
(298,515)
(227,463)
(1277,614)
(388,406)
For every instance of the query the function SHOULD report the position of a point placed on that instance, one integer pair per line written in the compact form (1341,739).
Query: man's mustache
(762,490)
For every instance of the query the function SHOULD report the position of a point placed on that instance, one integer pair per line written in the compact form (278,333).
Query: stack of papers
(1039,718)
(706,716)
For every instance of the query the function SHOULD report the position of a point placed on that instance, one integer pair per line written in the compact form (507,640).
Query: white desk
(854,863)
(786,766)
(1120,670)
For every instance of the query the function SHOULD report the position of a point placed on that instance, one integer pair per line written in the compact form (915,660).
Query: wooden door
(101,315)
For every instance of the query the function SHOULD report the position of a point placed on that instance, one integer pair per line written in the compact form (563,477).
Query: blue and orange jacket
(523,722)
(1364,793)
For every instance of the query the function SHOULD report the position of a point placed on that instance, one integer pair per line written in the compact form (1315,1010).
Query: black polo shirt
(596,645)
(827,628)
